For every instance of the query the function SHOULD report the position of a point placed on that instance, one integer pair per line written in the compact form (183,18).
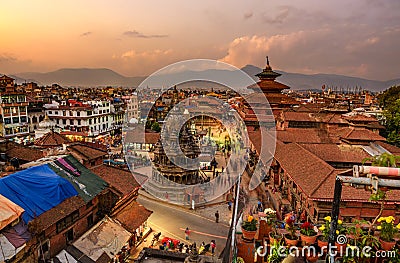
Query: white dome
(46,123)
(133,121)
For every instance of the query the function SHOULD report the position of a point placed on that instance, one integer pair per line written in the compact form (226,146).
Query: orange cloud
(252,49)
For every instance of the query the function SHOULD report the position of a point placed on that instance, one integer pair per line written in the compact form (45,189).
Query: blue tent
(36,189)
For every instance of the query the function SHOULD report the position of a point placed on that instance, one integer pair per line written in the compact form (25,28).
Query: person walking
(229,205)
(216,216)
(213,247)
(187,232)
(259,206)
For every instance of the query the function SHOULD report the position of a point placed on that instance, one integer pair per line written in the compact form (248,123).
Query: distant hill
(299,81)
(82,77)
(106,77)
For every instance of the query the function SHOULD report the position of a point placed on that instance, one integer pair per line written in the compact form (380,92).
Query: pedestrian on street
(229,205)
(216,216)
(187,232)
(259,206)
(213,245)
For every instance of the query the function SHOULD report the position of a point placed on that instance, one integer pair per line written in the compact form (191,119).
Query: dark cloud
(88,33)
(134,33)
(248,15)
(278,18)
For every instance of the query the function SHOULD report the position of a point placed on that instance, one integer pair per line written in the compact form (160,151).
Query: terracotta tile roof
(119,179)
(255,138)
(131,215)
(273,98)
(152,137)
(298,116)
(337,153)
(311,108)
(304,168)
(269,85)
(87,152)
(278,98)
(305,135)
(24,153)
(52,139)
(359,117)
(359,134)
(375,125)
(52,216)
(135,135)
(331,118)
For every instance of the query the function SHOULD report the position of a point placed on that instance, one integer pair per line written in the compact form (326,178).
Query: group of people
(203,247)
(185,248)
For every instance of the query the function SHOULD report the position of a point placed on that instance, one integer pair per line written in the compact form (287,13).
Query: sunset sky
(358,37)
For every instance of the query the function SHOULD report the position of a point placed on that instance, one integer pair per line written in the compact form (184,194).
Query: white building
(132,107)
(81,119)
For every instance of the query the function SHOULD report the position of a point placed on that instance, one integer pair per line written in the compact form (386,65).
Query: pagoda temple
(173,135)
(272,90)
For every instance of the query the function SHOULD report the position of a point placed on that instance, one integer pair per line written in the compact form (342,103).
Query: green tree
(392,122)
(389,96)
(390,100)
(156,127)
(384,160)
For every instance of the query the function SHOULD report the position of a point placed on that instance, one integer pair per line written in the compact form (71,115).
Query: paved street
(171,221)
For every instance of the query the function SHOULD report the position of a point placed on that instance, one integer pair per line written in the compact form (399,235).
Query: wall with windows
(93,118)
(14,114)
(71,227)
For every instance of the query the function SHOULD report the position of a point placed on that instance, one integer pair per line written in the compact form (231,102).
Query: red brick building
(311,150)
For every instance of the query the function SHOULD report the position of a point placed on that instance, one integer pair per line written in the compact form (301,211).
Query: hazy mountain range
(106,77)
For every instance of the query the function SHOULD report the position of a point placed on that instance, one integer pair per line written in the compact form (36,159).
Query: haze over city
(358,38)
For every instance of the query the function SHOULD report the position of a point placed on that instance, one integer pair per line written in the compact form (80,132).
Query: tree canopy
(390,100)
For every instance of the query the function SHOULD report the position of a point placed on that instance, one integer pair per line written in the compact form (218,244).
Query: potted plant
(352,254)
(355,232)
(276,254)
(290,238)
(307,233)
(267,220)
(312,254)
(341,230)
(249,227)
(323,238)
(372,242)
(274,236)
(388,230)
(270,216)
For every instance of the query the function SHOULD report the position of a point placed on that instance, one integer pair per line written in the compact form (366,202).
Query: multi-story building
(81,120)
(132,107)
(13,109)
(117,114)
(35,112)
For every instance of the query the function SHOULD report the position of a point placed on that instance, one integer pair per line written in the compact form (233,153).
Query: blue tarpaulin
(36,189)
